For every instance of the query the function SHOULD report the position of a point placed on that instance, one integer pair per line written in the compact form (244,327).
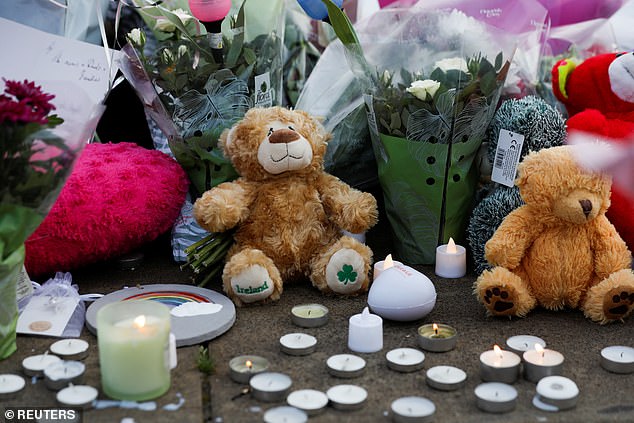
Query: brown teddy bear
(558,250)
(288,213)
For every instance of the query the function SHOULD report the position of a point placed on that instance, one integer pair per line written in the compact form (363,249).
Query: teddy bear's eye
(619,54)
(270,132)
(291,128)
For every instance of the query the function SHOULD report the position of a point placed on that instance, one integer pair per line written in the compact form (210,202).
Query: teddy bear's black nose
(586,206)
(282,136)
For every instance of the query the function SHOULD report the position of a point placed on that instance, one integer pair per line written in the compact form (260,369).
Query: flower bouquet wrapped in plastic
(193,90)
(37,152)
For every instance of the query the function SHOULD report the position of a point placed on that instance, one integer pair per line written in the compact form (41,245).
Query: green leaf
(498,61)
(341,24)
(249,55)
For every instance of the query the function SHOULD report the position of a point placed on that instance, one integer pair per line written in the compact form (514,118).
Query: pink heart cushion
(118,197)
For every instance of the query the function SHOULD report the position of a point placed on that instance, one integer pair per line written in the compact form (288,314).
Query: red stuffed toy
(599,96)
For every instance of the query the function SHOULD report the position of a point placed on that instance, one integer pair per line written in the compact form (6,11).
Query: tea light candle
(521,343)
(77,396)
(10,385)
(270,386)
(498,365)
(309,400)
(298,344)
(540,362)
(285,414)
(365,332)
(35,364)
(70,349)
(446,378)
(345,365)
(133,341)
(309,315)
(382,265)
(58,375)
(495,397)
(451,260)
(244,367)
(412,410)
(557,391)
(405,359)
(437,337)
(618,359)
(347,397)
(402,293)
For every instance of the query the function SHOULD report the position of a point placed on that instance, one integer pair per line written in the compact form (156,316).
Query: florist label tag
(263,97)
(507,156)
(46,315)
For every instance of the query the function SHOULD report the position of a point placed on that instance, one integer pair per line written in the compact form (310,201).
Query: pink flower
(32,105)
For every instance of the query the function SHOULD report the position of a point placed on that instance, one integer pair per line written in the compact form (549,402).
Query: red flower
(32,105)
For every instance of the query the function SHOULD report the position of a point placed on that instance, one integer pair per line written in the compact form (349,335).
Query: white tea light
(62,373)
(412,410)
(497,365)
(270,386)
(521,343)
(557,391)
(618,359)
(35,364)
(451,260)
(495,397)
(311,401)
(365,332)
(309,315)
(298,344)
(541,362)
(436,337)
(285,414)
(77,396)
(70,349)
(345,365)
(405,359)
(446,378)
(402,293)
(382,265)
(10,385)
(347,397)
(244,367)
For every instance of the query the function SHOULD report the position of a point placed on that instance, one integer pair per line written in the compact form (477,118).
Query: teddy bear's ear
(226,138)
(560,74)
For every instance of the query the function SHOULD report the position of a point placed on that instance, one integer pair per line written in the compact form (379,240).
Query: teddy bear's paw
(252,284)
(618,302)
(504,293)
(500,300)
(345,272)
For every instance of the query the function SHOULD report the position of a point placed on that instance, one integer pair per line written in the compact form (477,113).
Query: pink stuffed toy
(599,96)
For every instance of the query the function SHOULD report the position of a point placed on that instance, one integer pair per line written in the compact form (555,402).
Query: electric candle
(412,410)
(558,392)
(270,386)
(382,265)
(298,344)
(451,260)
(365,332)
(80,396)
(10,385)
(62,373)
(405,359)
(345,365)
(496,397)
(244,367)
(521,343)
(540,362)
(437,337)
(618,359)
(309,400)
(35,364)
(309,315)
(446,378)
(347,397)
(133,340)
(70,349)
(498,365)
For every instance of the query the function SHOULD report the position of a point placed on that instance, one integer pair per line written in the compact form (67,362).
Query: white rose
(453,63)
(163,24)
(137,37)
(182,50)
(420,89)
(386,76)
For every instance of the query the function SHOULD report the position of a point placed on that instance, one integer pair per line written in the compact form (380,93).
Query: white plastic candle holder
(495,397)
(412,410)
(618,359)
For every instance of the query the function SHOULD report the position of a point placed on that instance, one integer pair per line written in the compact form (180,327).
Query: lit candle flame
(249,364)
(435,327)
(388,262)
(451,247)
(539,349)
(139,321)
(498,351)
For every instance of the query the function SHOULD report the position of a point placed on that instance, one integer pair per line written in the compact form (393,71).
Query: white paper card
(45,315)
(263,96)
(507,157)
